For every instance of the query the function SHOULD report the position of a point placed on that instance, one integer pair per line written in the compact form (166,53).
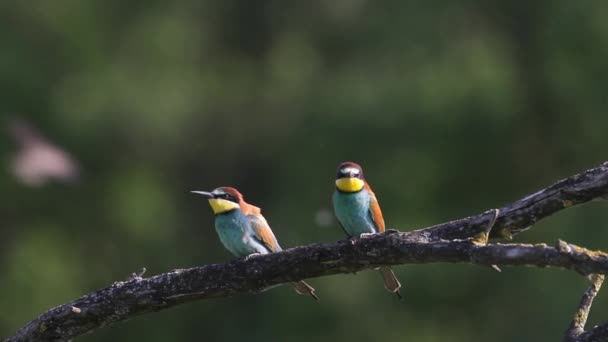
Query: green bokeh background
(452,107)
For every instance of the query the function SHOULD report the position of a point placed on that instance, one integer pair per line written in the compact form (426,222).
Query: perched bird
(243,230)
(358,211)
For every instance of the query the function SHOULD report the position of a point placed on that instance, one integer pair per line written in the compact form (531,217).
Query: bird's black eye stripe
(228,197)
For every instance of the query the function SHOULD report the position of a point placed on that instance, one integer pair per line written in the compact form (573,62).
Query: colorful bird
(243,230)
(358,211)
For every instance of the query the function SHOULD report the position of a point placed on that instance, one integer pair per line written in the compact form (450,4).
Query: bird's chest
(234,232)
(352,210)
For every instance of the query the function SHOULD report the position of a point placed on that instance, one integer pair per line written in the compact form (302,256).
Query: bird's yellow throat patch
(219,205)
(349,184)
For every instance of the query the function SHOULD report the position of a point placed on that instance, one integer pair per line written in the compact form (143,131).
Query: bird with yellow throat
(357,209)
(243,230)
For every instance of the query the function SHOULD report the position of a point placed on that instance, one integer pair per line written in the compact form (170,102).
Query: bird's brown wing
(263,233)
(374,209)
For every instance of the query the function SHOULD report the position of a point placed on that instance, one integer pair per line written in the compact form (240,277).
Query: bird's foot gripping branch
(459,241)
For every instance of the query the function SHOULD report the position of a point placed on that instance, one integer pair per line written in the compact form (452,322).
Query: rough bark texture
(597,334)
(577,327)
(460,241)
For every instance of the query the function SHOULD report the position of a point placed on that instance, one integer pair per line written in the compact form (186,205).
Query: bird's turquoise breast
(352,210)
(234,232)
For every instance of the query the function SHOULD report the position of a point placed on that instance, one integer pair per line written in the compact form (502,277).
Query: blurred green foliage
(451,107)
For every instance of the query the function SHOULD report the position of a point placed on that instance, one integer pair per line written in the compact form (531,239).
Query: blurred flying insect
(37,161)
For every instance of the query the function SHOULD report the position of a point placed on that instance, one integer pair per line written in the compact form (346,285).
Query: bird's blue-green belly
(352,210)
(233,230)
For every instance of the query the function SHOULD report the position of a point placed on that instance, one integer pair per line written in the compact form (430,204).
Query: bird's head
(349,177)
(223,199)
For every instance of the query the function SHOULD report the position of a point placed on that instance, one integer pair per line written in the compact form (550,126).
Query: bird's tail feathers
(303,288)
(391,283)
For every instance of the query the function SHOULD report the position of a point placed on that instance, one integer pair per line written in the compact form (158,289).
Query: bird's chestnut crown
(349,177)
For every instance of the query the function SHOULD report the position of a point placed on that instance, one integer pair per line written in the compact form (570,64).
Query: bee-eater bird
(358,211)
(243,230)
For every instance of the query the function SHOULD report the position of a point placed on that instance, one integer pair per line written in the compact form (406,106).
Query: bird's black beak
(204,193)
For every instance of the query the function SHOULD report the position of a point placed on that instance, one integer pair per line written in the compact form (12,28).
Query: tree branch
(461,241)
(520,215)
(577,327)
(124,300)
(597,334)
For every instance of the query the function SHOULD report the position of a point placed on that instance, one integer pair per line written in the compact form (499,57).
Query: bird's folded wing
(263,233)
(374,209)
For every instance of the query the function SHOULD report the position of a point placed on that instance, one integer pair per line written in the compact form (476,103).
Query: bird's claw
(137,275)
(252,255)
